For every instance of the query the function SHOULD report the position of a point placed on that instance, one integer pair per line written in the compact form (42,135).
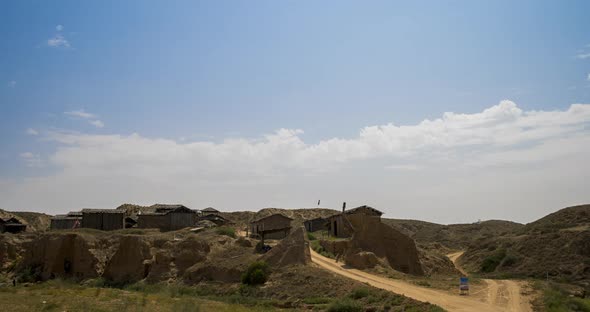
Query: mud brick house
(341,225)
(166,217)
(66,222)
(317,224)
(103,219)
(11,225)
(275,226)
(217,219)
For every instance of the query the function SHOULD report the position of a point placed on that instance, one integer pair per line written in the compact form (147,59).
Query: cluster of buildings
(161,216)
(277,226)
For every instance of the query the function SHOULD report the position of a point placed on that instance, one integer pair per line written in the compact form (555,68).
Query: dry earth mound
(35,221)
(293,249)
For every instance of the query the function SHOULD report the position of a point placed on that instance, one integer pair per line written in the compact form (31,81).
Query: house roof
(65,217)
(11,220)
(74,214)
(114,211)
(359,209)
(272,215)
(209,209)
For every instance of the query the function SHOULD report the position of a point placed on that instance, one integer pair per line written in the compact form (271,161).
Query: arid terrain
(540,266)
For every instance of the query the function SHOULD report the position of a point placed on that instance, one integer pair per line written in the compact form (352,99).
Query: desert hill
(35,221)
(298,215)
(557,245)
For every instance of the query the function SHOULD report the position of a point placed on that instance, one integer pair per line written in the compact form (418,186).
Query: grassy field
(60,295)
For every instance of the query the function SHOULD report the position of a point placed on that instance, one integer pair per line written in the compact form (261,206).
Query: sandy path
(445,300)
(501,293)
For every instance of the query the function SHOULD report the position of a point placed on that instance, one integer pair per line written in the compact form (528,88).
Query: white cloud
(97,123)
(59,27)
(31,131)
(58,41)
(480,165)
(588,77)
(80,114)
(583,56)
(32,160)
(12,84)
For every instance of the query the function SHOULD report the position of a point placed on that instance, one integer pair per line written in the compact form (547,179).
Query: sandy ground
(503,293)
(508,289)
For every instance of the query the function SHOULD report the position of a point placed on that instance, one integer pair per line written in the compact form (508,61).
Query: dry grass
(64,296)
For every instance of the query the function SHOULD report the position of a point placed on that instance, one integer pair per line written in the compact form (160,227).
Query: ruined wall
(294,249)
(384,241)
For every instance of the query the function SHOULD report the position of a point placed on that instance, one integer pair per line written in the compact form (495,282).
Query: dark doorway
(335,229)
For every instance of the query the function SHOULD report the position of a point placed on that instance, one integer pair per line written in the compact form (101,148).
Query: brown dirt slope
(35,221)
(558,245)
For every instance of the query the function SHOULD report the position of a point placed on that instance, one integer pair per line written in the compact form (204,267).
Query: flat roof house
(342,224)
(65,222)
(275,226)
(103,219)
(167,217)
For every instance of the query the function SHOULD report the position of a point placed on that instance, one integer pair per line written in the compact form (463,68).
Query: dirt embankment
(120,257)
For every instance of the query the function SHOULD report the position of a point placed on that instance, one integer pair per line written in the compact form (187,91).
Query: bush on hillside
(227,231)
(491,263)
(310,236)
(256,274)
(345,305)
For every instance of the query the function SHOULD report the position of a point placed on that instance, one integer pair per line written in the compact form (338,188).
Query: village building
(167,217)
(65,222)
(217,219)
(11,225)
(343,224)
(275,226)
(317,224)
(103,219)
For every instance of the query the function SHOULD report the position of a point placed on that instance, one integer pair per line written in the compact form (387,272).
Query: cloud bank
(455,168)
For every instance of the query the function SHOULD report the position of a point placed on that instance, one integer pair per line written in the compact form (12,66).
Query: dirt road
(445,300)
(501,293)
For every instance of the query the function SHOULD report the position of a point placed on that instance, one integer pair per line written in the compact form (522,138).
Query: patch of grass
(256,274)
(360,292)
(317,247)
(556,299)
(346,305)
(317,300)
(310,236)
(227,231)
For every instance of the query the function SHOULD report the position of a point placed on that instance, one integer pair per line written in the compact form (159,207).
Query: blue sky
(209,71)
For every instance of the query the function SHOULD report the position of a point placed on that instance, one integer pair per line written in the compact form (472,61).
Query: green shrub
(345,305)
(360,292)
(557,300)
(227,231)
(491,263)
(256,274)
(510,260)
(310,236)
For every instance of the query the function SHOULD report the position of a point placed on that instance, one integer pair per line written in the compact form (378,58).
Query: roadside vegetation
(227,231)
(557,298)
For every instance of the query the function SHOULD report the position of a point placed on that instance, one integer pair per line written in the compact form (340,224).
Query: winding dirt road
(503,293)
(443,299)
(440,298)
